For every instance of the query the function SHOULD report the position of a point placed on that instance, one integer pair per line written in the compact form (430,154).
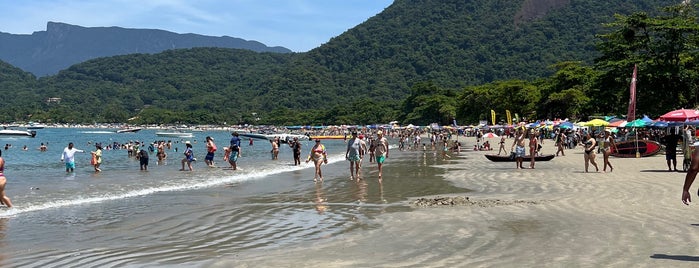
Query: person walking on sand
(560,142)
(68,156)
(236,151)
(533,148)
(671,151)
(380,151)
(502,145)
(3,181)
(354,154)
(518,148)
(607,145)
(210,150)
(590,146)
(188,156)
(97,157)
(691,175)
(319,156)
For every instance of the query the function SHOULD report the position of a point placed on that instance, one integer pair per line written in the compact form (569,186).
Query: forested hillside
(361,76)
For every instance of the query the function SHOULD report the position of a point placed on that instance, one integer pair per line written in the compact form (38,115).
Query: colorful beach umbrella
(680,115)
(636,123)
(596,123)
(490,135)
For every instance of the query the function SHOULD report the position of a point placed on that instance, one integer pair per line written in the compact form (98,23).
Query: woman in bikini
(607,143)
(3,198)
(533,147)
(590,145)
(319,156)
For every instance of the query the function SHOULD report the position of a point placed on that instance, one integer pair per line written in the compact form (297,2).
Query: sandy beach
(552,216)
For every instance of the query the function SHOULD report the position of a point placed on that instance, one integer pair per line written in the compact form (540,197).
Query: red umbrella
(680,115)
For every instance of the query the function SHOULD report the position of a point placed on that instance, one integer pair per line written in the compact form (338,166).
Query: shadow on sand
(675,257)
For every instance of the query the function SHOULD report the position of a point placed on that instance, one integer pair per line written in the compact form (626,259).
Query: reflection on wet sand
(361,191)
(320,199)
(3,231)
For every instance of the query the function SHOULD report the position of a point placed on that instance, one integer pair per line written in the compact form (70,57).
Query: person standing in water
(354,154)
(210,149)
(319,156)
(380,151)
(296,149)
(188,156)
(3,181)
(235,151)
(68,157)
(97,156)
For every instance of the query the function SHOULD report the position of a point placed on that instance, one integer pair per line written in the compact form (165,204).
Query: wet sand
(552,216)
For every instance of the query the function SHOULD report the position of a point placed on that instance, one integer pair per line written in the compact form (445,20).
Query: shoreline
(555,215)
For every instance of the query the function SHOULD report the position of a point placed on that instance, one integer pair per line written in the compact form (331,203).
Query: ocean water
(166,217)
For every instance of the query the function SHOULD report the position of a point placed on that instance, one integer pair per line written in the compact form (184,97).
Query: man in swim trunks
(380,151)
(519,149)
(235,151)
(68,157)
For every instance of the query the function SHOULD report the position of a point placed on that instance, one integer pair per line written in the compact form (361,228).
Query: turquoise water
(164,217)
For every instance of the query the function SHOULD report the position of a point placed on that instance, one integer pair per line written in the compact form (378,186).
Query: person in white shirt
(68,157)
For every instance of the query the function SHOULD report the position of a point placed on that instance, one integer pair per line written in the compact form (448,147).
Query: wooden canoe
(629,148)
(527,158)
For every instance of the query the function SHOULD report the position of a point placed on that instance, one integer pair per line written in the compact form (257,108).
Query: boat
(128,130)
(629,148)
(283,137)
(36,126)
(174,134)
(18,133)
(527,158)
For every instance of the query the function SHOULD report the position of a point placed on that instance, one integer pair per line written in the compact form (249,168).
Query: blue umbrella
(567,125)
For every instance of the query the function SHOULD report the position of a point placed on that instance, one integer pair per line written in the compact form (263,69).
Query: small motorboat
(526,158)
(174,134)
(18,133)
(128,130)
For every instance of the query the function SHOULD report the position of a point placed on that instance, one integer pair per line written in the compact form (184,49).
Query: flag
(454,122)
(509,117)
(492,116)
(631,114)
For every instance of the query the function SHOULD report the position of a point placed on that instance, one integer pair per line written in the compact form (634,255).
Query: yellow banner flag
(509,117)
(492,116)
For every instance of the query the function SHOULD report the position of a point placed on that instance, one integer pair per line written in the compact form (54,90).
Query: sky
(299,25)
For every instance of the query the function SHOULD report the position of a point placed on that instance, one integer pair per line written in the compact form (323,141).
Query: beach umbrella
(490,135)
(617,123)
(680,115)
(596,123)
(566,125)
(636,123)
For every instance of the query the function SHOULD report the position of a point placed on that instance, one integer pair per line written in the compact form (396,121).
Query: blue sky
(299,25)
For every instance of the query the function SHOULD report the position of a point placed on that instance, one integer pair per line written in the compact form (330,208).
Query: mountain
(451,43)
(62,45)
